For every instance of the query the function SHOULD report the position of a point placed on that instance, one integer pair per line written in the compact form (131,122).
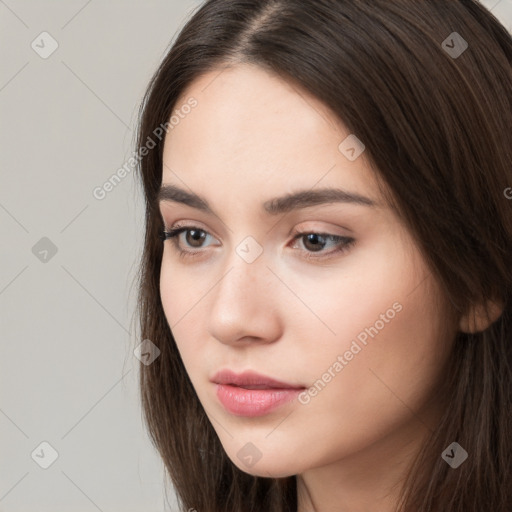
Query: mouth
(250,394)
(248,386)
(251,380)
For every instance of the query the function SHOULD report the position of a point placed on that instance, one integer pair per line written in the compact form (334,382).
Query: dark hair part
(438,133)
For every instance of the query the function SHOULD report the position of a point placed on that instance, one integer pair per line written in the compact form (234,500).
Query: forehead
(246,101)
(252,130)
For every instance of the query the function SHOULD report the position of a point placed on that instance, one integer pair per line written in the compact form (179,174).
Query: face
(327,295)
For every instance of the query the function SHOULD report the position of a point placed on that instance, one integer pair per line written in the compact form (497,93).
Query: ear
(478,319)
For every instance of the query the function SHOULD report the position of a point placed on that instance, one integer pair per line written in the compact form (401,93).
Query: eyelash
(344,243)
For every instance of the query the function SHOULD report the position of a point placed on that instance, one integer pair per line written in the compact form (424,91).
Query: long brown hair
(437,127)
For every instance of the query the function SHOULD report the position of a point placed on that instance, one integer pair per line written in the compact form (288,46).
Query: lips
(251,380)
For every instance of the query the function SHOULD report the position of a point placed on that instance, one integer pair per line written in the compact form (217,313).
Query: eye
(318,241)
(313,242)
(196,238)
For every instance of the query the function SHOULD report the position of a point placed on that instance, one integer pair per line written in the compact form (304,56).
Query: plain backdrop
(71,81)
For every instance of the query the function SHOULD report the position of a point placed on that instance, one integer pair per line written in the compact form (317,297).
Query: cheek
(181,302)
(391,364)
(387,354)
(386,379)
(384,388)
(183,291)
(170,285)
(357,301)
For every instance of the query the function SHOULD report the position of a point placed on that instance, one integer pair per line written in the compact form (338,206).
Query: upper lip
(250,378)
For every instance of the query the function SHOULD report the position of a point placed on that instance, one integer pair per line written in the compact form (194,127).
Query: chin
(254,462)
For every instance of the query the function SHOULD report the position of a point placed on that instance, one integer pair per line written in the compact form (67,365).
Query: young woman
(327,268)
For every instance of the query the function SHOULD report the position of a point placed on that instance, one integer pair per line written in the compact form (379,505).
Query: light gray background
(68,374)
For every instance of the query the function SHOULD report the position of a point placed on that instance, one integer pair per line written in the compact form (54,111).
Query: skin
(253,137)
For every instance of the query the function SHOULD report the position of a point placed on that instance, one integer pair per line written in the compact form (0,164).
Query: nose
(245,304)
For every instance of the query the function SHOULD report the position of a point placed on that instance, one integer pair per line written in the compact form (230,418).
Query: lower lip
(253,402)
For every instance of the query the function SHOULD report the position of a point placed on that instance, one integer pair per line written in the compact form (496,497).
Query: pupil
(196,235)
(313,237)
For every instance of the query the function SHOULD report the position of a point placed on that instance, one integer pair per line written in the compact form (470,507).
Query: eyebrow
(293,201)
